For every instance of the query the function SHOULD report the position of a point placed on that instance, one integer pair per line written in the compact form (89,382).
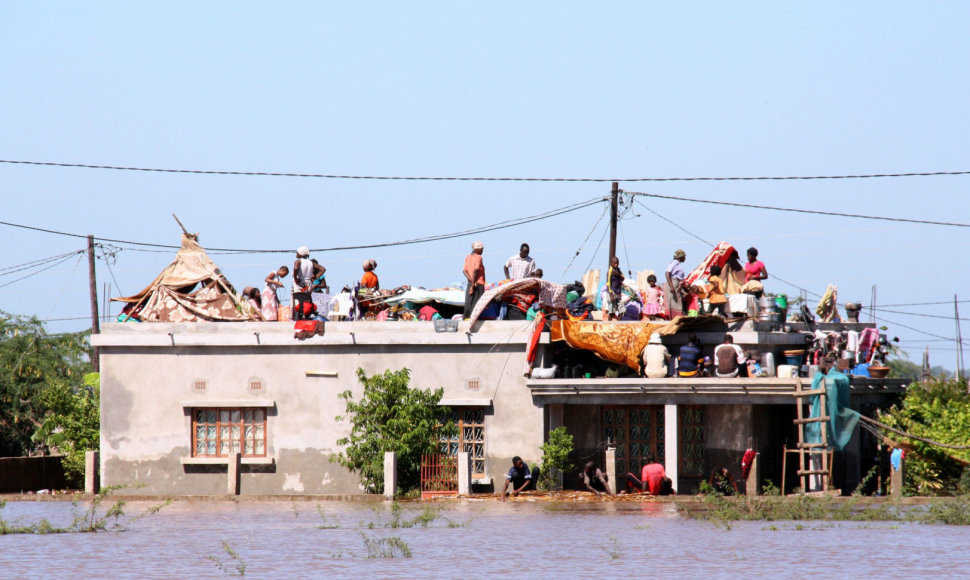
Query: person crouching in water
(593,479)
(520,478)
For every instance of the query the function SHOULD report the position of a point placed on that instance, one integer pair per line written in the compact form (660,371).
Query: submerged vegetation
(720,509)
(89,520)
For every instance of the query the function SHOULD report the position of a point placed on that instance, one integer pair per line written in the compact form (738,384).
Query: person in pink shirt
(755,268)
(653,480)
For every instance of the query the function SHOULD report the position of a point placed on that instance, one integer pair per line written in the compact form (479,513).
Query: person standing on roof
(675,276)
(305,271)
(521,265)
(474,271)
(369,279)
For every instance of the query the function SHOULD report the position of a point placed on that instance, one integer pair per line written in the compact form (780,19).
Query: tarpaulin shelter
(191,288)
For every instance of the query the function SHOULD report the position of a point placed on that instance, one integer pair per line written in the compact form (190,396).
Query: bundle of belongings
(192,288)
(523,295)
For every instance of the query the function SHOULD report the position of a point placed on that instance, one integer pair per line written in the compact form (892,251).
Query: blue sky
(539,89)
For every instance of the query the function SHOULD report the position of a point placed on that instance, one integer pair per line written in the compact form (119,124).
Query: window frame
(459,415)
(218,424)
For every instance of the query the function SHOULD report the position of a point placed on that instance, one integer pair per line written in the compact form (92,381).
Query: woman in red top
(755,268)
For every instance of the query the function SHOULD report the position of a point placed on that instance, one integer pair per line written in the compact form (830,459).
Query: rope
(911,436)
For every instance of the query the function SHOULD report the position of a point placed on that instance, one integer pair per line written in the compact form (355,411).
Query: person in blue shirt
(520,478)
(690,359)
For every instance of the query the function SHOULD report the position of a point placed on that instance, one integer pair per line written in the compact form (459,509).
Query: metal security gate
(637,432)
(439,475)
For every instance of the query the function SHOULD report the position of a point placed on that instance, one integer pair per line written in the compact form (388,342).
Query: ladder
(814,459)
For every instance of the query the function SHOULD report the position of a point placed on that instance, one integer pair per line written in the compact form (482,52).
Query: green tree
(391,416)
(940,411)
(31,360)
(73,423)
(555,457)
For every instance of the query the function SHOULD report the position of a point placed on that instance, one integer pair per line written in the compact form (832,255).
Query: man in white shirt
(521,265)
(655,358)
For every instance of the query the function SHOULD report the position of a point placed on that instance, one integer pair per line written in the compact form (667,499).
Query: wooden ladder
(807,450)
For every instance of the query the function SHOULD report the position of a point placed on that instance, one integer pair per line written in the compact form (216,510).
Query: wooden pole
(614,197)
(93,287)
(956,317)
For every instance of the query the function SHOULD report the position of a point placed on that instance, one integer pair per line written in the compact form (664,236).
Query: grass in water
(722,510)
(234,565)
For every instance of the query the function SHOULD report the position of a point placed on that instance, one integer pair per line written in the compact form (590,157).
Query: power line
(948,302)
(35,272)
(673,224)
(795,210)
(920,314)
(33,264)
(439,237)
(453,178)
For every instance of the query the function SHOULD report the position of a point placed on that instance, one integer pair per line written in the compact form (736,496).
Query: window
(638,432)
(470,438)
(691,441)
(219,432)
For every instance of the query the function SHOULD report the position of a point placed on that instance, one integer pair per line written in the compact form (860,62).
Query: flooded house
(182,394)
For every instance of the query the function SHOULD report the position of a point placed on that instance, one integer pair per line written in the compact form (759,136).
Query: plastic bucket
(794,357)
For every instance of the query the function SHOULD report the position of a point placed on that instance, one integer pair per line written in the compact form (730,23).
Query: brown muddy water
(470,539)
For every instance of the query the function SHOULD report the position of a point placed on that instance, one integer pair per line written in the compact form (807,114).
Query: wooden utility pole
(956,317)
(614,202)
(93,286)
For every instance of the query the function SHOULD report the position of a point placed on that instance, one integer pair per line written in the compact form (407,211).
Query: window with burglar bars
(219,432)
(638,432)
(470,438)
(692,441)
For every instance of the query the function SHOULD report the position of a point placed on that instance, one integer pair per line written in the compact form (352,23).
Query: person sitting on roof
(252,299)
(728,358)
(520,478)
(655,358)
(593,479)
(369,279)
(520,265)
(689,359)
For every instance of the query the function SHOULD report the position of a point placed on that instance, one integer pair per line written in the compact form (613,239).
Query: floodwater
(485,539)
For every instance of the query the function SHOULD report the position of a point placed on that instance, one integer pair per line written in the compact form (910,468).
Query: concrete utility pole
(614,199)
(93,285)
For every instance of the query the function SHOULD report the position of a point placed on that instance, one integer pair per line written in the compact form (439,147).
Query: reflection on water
(484,539)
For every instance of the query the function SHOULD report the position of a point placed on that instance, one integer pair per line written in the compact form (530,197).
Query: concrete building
(176,398)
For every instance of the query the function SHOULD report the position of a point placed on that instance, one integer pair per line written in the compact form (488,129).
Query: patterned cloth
(550,294)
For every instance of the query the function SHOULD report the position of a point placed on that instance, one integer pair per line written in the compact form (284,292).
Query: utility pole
(956,317)
(93,286)
(614,202)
